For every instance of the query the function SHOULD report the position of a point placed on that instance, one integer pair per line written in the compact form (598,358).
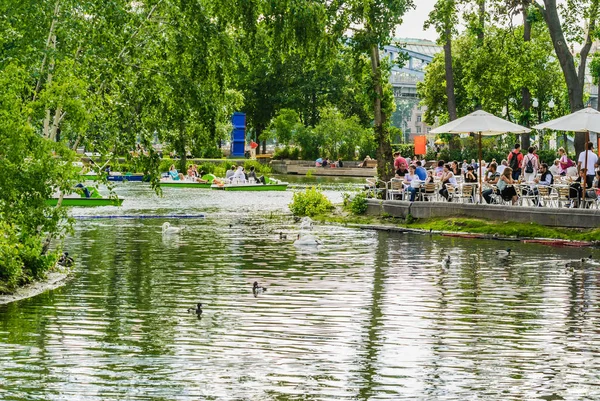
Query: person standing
(515,159)
(563,161)
(530,165)
(400,162)
(590,167)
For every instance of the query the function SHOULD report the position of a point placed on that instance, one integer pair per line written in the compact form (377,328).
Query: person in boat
(191,175)
(200,179)
(239,175)
(174,174)
(252,175)
(230,172)
(85,190)
(340,163)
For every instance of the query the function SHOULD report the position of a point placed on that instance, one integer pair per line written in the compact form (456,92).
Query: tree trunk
(480,33)
(573,78)
(48,82)
(384,148)
(51,40)
(180,148)
(449,75)
(525,94)
(451,98)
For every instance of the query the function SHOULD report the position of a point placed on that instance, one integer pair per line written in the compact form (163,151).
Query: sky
(412,27)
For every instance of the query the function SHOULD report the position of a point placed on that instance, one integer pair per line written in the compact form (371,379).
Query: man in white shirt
(592,162)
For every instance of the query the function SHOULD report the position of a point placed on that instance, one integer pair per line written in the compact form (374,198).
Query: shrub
(311,202)
(358,204)
(281,153)
(258,167)
(11,266)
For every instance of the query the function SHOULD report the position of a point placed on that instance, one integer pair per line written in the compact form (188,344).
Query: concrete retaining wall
(301,167)
(552,217)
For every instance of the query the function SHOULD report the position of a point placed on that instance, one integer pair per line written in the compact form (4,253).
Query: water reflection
(366,315)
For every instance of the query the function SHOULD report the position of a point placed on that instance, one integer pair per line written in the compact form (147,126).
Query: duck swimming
(307,223)
(197,311)
(307,240)
(501,253)
(578,263)
(167,229)
(282,235)
(256,288)
(446,261)
(65,260)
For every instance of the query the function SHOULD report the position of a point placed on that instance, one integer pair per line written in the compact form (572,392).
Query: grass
(469,225)
(505,228)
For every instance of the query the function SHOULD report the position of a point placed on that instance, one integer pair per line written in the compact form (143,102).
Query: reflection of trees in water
(372,343)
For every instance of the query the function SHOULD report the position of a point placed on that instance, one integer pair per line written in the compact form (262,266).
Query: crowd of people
(501,179)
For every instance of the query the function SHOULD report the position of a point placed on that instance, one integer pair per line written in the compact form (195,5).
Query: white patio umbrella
(584,120)
(482,123)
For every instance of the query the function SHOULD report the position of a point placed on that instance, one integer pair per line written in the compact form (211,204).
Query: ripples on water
(367,315)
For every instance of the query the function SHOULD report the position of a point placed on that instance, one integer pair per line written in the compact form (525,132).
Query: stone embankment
(302,167)
(545,216)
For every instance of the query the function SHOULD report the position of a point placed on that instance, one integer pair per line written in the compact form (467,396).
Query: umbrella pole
(480,167)
(585,149)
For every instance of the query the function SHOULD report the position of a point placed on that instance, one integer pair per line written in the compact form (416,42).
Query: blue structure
(238,135)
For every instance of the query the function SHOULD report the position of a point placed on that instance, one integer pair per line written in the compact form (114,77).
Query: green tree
(377,19)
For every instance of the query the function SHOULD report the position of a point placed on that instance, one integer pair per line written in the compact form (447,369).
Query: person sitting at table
(503,164)
(420,171)
(545,180)
(505,186)
(429,179)
(491,179)
(412,182)
(439,170)
(594,191)
(470,175)
(454,168)
(448,178)
(576,190)
(401,172)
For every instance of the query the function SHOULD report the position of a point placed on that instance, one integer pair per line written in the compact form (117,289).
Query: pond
(367,315)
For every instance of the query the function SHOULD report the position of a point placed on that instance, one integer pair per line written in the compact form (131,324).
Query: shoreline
(52,281)
(557,242)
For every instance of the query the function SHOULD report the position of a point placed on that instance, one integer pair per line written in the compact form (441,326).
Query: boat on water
(184,184)
(207,179)
(115,177)
(86,202)
(273,185)
(84,196)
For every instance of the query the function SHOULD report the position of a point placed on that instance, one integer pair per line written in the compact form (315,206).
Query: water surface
(366,316)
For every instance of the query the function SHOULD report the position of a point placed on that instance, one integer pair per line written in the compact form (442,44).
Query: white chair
(396,187)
